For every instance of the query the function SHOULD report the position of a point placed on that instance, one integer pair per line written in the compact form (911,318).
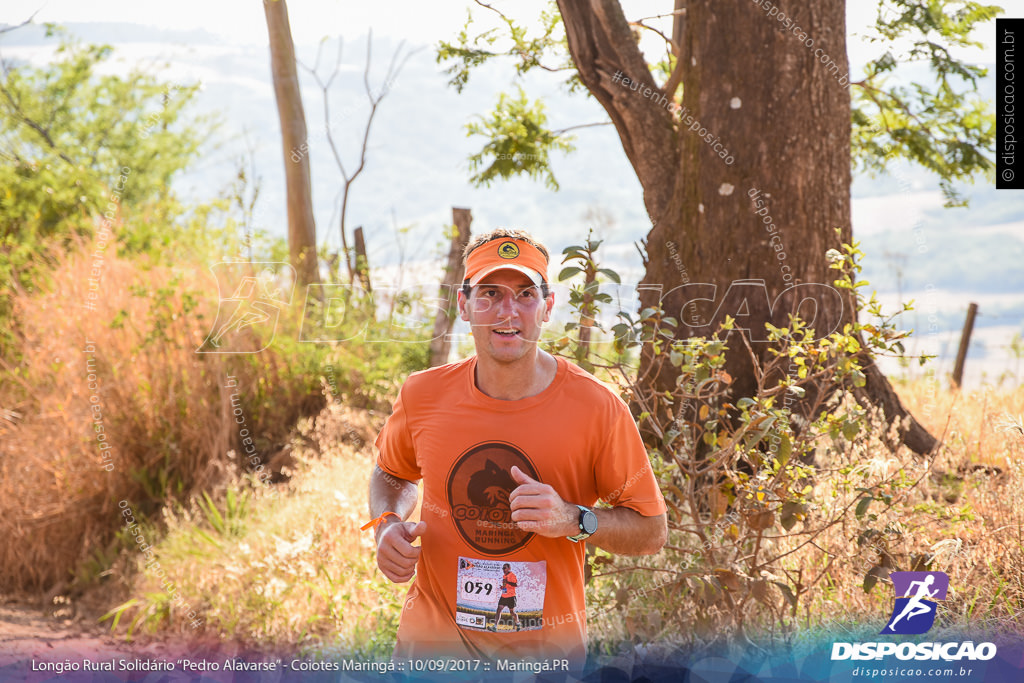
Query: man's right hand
(396,555)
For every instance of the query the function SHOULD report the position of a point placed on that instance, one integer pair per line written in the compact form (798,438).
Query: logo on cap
(508,250)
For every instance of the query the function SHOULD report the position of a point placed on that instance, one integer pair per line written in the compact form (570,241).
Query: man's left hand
(538,508)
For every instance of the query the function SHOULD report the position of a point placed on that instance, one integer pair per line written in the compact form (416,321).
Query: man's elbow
(657,535)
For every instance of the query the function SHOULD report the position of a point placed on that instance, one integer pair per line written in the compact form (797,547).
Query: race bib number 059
(500,596)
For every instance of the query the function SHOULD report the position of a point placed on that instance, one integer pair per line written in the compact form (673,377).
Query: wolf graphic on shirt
(492,486)
(479,486)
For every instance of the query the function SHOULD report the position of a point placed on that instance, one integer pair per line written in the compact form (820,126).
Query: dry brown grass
(984,556)
(296,571)
(973,422)
(164,411)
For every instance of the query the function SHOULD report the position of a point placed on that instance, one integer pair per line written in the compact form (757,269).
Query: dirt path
(28,634)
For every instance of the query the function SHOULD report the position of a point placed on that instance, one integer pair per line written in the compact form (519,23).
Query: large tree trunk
(784,120)
(301,226)
(440,344)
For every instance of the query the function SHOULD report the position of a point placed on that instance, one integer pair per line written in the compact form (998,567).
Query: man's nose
(507,306)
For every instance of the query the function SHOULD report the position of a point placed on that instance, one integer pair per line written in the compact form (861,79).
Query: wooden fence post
(965,340)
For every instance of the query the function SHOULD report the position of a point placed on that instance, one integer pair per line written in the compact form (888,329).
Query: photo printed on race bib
(500,596)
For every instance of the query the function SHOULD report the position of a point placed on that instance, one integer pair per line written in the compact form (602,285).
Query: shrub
(782,517)
(112,403)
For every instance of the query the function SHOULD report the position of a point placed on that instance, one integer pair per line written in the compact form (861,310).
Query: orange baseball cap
(506,253)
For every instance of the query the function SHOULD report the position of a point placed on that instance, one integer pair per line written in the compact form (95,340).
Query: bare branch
(662,16)
(394,68)
(641,24)
(582,125)
(27,21)
(495,10)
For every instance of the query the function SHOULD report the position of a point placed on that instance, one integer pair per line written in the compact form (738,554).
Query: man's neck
(526,377)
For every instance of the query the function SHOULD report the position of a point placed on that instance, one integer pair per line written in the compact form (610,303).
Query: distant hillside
(416,169)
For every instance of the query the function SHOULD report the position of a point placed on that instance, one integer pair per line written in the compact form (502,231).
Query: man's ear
(462,305)
(549,304)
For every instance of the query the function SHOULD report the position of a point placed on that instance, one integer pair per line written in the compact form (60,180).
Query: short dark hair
(499,234)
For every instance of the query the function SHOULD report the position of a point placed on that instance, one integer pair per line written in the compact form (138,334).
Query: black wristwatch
(588,524)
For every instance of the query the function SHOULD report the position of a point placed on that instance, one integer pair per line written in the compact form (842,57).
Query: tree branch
(394,68)
(641,24)
(603,50)
(23,118)
(522,55)
(15,27)
(582,125)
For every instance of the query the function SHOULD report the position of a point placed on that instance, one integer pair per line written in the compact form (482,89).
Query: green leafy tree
(80,149)
(712,130)
(517,142)
(944,126)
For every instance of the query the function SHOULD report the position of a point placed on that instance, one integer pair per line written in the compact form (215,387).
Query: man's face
(507,313)
(506,568)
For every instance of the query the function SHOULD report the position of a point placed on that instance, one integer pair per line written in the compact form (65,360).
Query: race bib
(500,596)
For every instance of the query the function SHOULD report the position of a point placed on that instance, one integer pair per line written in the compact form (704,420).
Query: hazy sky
(242,21)
(880,214)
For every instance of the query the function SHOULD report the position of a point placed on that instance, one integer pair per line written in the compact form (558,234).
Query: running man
(508,596)
(514,447)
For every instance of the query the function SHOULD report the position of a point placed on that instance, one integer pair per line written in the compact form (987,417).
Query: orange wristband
(378,521)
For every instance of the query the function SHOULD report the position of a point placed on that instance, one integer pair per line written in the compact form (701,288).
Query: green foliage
(79,148)
(154,609)
(369,354)
(230,524)
(85,126)
(518,142)
(529,53)
(754,482)
(945,126)
(585,296)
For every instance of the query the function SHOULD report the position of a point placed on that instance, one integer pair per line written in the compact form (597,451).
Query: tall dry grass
(975,424)
(280,569)
(128,367)
(983,461)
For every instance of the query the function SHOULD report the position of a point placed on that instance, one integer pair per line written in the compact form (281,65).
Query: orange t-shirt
(576,436)
(510,586)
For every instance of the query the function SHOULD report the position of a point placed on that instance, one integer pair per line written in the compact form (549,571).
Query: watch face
(588,520)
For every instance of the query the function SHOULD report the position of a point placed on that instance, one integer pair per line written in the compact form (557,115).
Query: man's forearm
(391,494)
(539,508)
(625,531)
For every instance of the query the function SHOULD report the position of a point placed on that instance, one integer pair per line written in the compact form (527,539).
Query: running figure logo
(252,296)
(916,595)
